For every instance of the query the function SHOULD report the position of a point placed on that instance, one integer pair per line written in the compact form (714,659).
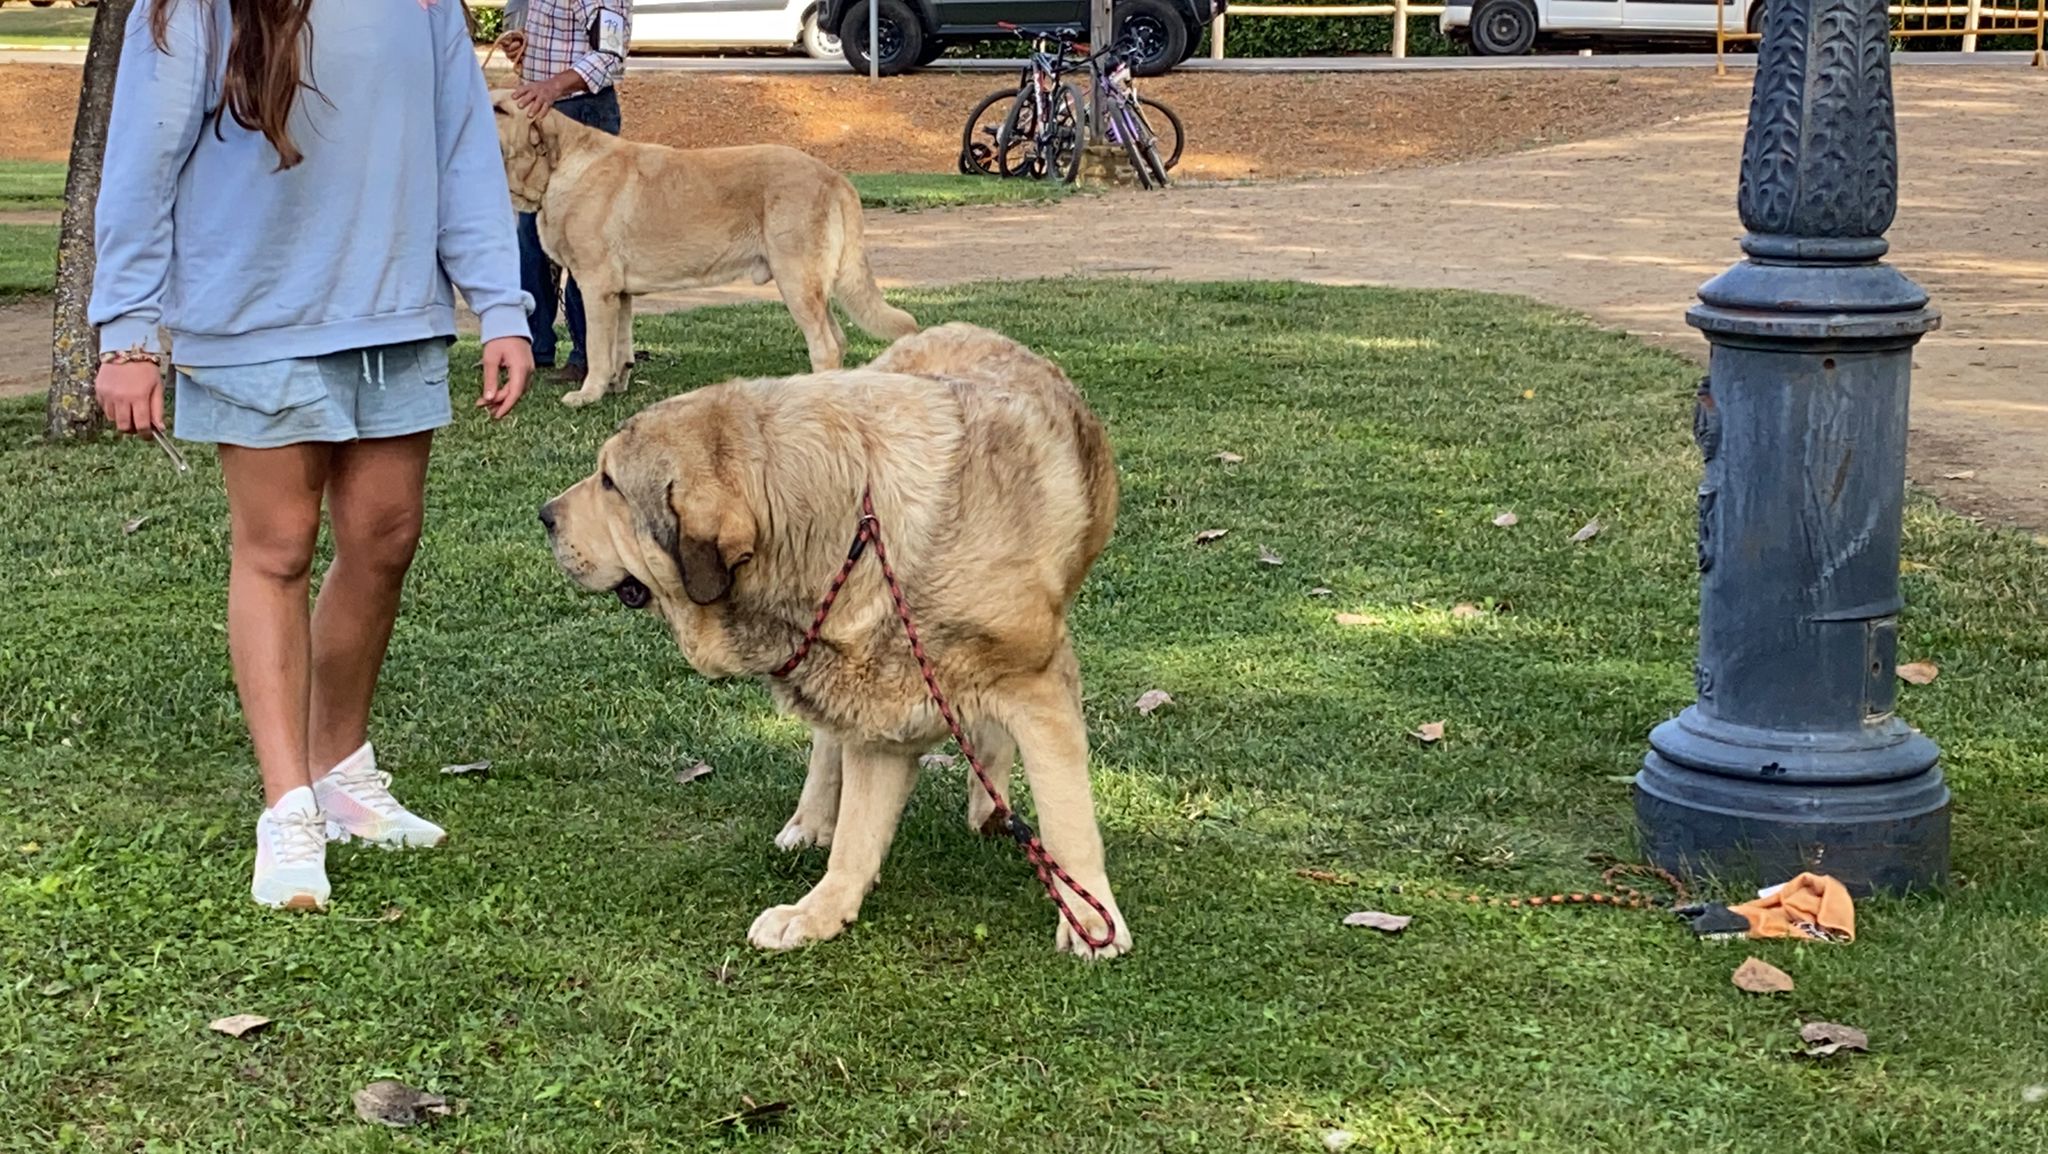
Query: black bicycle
(1040,132)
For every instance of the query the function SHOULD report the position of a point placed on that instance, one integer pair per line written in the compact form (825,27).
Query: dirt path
(1623,228)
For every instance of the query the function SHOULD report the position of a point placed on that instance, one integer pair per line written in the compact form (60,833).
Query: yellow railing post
(1216,37)
(1400,44)
(1971,20)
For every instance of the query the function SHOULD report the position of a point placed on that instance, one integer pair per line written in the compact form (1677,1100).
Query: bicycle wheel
(978,139)
(1180,137)
(1017,140)
(1130,132)
(1060,145)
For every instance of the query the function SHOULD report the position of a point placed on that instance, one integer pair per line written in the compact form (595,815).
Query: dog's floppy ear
(707,541)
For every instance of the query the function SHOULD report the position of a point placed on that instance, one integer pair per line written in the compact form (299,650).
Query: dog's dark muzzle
(632,594)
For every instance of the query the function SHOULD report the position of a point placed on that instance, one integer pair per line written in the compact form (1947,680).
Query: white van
(710,24)
(1511,27)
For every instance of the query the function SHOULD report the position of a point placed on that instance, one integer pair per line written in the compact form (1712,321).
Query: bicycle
(1123,117)
(1040,135)
(978,139)
(1043,132)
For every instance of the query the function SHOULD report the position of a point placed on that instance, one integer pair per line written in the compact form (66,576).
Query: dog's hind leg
(817,809)
(812,310)
(625,341)
(875,785)
(998,752)
(1045,715)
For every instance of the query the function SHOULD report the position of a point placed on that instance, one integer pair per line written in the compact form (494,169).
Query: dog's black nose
(547,516)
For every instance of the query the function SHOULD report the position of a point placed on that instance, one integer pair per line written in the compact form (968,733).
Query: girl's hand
(131,394)
(509,357)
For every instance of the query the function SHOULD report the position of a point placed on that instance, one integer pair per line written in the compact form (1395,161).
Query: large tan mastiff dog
(628,218)
(730,510)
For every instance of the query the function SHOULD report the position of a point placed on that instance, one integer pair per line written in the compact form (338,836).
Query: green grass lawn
(28,259)
(572,966)
(45,27)
(908,191)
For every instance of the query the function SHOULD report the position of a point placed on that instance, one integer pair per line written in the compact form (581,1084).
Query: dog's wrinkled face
(663,519)
(529,158)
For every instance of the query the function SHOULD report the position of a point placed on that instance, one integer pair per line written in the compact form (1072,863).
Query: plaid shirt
(558,40)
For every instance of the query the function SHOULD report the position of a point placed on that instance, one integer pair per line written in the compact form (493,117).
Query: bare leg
(998,752)
(274,511)
(1046,719)
(376,497)
(817,809)
(601,318)
(875,786)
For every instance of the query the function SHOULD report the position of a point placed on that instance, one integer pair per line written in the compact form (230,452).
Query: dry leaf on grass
(697,770)
(1830,1038)
(1528,394)
(1208,536)
(1321,591)
(1429,732)
(1356,619)
(937,760)
(756,1116)
(1326,877)
(1588,531)
(1375,920)
(1230,458)
(1268,557)
(397,1104)
(469,769)
(1466,611)
(2034,1095)
(1919,672)
(1507,520)
(721,974)
(1339,1140)
(239,1025)
(1757,976)
(128,529)
(1964,475)
(1149,701)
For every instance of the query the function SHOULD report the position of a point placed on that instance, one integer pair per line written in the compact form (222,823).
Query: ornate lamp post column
(1792,758)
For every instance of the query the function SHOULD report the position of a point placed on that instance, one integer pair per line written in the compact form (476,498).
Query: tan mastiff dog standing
(732,508)
(628,218)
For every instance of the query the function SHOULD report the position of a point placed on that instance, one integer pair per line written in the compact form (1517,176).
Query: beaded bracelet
(134,356)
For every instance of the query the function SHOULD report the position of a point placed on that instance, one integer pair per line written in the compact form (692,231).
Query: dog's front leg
(875,784)
(600,326)
(817,809)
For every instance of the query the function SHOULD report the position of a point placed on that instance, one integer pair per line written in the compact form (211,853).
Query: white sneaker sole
(339,836)
(297,903)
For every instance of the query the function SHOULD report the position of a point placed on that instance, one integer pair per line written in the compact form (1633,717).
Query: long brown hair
(266,67)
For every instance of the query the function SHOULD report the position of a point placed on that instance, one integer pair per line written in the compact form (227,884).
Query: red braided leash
(1042,861)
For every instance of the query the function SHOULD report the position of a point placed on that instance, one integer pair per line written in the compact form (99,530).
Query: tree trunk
(75,352)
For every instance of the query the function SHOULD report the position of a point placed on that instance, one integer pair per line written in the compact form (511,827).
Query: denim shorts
(391,391)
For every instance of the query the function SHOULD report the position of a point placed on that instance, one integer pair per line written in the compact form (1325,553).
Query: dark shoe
(569,374)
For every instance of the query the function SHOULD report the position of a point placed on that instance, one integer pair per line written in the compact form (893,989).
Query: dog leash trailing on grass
(1042,861)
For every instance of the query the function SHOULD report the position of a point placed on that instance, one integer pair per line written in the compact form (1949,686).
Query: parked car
(912,33)
(733,24)
(1512,27)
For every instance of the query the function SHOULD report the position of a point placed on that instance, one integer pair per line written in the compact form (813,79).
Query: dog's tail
(853,282)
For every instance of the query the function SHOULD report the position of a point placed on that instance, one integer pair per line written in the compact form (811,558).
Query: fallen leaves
(1230,458)
(1339,1140)
(1466,611)
(1150,701)
(1428,733)
(1757,976)
(1211,536)
(1375,920)
(239,1025)
(755,1115)
(477,769)
(1827,1039)
(1963,475)
(128,528)
(1268,557)
(1321,591)
(1355,619)
(398,1105)
(693,773)
(1588,531)
(1507,520)
(1326,877)
(1919,672)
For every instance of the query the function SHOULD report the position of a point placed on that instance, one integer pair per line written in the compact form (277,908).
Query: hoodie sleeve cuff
(130,332)
(508,320)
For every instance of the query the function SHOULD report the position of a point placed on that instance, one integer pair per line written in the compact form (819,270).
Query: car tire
(1162,34)
(933,49)
(902,37)
(817,43)
(1503,28)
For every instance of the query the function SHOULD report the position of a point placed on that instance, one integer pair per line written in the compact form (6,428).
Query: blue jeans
(537,274)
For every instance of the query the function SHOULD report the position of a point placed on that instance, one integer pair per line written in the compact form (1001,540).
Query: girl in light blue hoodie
(290,187)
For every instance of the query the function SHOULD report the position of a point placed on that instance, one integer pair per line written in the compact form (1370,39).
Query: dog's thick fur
(995,491)
(626,218)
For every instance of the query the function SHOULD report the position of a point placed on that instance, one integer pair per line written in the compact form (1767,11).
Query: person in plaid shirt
(570,55)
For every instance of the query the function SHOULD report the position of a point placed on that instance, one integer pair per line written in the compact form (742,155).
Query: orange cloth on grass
(1809,906)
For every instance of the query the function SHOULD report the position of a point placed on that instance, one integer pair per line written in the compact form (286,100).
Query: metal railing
(1400,10)
(1968,20)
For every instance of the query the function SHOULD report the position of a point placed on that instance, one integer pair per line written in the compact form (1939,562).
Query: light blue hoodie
(402,190)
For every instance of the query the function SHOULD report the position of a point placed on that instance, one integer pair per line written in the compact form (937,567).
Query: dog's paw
(787,927)
(798,833)
(1069,942)
(577,400)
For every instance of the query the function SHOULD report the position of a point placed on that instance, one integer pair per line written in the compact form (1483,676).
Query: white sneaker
(291,854)
(358,803)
